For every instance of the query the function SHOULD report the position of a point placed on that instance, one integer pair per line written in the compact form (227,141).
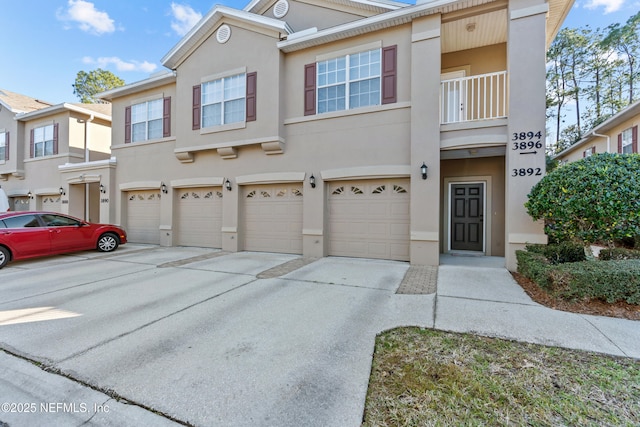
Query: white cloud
(87,17)
(120,65)
(610,6)
(184,18)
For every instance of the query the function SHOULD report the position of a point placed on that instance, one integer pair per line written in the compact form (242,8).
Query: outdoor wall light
(30,195)
(61,190)
(103,189)
(312,181)
(227,185)
(163,187)
(423,170)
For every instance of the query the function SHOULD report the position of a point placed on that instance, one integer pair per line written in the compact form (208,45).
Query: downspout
(604,136)
(86,159)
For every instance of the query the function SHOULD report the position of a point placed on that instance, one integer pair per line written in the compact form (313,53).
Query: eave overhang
(150,83)
(61,108)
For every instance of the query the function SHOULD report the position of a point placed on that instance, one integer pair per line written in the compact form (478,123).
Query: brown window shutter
(389,74)
(166,117)
(310,89)
(55,138)
(127,125)
(593,150)
(31,147)
(196,107)
(584,154)
(634,139)
(619,143)
(252,82)
(6,146)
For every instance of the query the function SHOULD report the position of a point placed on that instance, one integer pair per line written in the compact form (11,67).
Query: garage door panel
(199,217)
(51,204)
(272,219)
(369,219)
(143,216)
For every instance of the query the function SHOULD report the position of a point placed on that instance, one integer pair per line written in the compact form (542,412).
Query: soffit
(474,31)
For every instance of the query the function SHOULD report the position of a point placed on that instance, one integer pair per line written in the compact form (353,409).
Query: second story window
(223,101)
(627,141)
(44,141)
(349,81)
(356,80)
(146,120)
(4,146)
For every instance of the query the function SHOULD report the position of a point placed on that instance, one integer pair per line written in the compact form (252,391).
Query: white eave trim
(256,6)
(60,108)
(149,83)
(374,23)
(208,23)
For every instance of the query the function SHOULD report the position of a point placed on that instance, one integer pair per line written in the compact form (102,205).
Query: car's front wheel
(5,256)
(108,242)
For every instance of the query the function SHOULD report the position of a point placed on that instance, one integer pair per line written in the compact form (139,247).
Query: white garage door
(200,217)
(369,219)
(19,203)
(143,216)
(273,218)
(51,203)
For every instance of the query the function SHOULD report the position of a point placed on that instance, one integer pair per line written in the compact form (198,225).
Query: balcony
(474,98)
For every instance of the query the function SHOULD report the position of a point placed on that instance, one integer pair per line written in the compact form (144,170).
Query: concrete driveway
(197,337)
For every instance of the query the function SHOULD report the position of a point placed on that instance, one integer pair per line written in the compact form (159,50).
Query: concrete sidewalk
(477,295)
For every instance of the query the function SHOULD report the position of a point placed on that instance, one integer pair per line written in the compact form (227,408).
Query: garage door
(143,216)
(51,203)
(200,217)
(273,218)
(369,219)
(19,203)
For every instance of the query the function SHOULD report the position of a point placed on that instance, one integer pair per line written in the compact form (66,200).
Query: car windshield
(21,221)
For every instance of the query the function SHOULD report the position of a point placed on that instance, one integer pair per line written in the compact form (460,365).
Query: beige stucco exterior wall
(14,165)
(302,16)
(526,52)
(487,59)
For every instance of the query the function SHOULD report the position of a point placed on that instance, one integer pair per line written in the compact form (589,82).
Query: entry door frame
(488,215)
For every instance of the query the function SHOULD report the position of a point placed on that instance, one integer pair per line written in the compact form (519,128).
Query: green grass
(423,377)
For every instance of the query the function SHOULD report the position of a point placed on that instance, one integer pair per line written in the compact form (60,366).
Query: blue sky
(46,42)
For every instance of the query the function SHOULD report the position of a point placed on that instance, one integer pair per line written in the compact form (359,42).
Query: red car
(34,234)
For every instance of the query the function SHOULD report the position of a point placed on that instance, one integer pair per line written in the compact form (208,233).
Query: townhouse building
(349,128)
(54,156)
(618,134)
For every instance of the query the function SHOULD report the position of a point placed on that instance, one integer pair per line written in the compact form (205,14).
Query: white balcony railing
(480,97)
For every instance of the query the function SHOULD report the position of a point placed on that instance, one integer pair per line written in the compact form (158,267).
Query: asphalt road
(192,336)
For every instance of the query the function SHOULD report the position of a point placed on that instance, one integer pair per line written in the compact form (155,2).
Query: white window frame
(348,79)
(588,152)
(627,141)
(42,147)
(3,146)
(147,119)
(225,99)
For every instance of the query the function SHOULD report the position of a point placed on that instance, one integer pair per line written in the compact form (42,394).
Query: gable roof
(203,29)
(156,80)
(18,103)
(377,6)
(101,111)
(622,116)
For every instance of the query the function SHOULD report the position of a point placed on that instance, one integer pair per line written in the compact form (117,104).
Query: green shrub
(611,281)
(593,199)
(618,254)
(565,252)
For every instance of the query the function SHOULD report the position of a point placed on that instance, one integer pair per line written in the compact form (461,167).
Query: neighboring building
(302,127)
(618,134)
(55,156)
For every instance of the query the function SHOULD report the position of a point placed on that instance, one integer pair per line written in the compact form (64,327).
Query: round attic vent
(223,34)
(281,8)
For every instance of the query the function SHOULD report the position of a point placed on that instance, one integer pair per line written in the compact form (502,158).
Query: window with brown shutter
(252,81)
(195,124)
(166,117)
(310,89)
(634,139)
(31,145)
(389,78)
(55,139)
(6,146)
(127,125)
